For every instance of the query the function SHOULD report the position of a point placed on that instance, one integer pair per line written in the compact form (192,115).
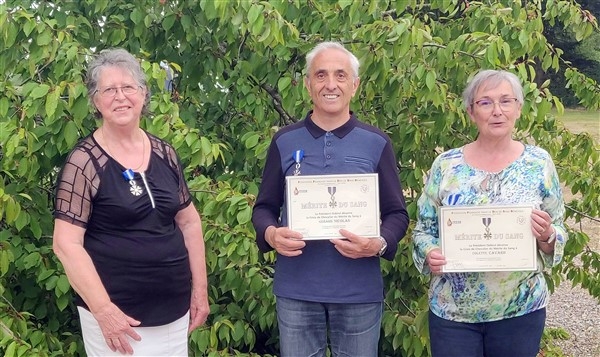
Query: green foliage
(548,341)
(240,65)
(582,54)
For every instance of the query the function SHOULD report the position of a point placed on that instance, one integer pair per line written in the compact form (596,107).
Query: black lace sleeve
(168,153)
(78,183)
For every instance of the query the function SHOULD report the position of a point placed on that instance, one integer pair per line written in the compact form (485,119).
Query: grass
(578,121)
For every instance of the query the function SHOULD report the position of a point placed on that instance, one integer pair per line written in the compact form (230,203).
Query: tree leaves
(239,69)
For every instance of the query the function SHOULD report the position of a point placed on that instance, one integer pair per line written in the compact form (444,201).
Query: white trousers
(166,340)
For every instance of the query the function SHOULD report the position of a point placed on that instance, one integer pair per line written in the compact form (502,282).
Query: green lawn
(578,121)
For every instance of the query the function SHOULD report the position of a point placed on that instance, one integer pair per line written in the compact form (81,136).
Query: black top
(131,235)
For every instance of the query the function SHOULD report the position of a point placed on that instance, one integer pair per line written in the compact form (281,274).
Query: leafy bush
(239,66)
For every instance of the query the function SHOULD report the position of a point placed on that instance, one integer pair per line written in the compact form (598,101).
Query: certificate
(487,238)
(319,206)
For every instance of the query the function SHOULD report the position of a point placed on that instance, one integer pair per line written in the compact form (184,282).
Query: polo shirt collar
(340,132)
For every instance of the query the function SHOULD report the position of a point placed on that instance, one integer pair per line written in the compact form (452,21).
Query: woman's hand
(199,309)
(541,225)
(116,328)
(436,260)
(188,220)
(115,325)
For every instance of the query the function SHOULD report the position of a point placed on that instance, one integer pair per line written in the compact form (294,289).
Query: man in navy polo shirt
(329,288)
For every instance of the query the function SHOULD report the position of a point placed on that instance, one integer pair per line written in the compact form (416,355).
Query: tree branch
(277,103)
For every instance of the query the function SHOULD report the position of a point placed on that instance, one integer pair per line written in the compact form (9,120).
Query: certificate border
(289,180)
(441,219)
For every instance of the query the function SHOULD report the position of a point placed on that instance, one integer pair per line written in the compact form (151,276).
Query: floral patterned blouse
(488,296)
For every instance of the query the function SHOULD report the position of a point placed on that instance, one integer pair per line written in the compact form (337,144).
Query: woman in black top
(126,230)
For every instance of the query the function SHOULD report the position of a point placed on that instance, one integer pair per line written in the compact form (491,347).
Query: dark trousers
(515,337)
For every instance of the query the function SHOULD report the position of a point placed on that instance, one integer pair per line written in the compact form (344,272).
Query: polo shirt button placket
(328,144)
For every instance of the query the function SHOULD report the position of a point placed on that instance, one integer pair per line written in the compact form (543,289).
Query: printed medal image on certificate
(318,206)
(487,238)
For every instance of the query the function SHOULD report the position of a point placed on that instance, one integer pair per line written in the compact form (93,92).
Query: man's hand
(355,246)
(285,241)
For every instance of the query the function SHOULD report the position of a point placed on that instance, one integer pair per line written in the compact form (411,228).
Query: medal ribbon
(128,175)
(298,156)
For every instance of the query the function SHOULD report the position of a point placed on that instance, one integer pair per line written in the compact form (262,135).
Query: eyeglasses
(506,104)
(112,91)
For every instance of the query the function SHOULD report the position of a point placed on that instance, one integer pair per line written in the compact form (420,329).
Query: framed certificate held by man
(318,206)
(487,238)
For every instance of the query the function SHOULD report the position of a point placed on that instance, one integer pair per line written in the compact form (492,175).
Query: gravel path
(574,309)
(579,314)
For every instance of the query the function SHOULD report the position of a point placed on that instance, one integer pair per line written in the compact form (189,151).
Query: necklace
(110,153)
(492,185)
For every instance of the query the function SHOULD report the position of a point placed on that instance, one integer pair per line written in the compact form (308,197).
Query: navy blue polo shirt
(321,273)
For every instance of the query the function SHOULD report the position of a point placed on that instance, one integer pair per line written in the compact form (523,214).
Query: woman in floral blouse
(497,313)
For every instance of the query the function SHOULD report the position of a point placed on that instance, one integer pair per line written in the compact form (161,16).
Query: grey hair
(490,77)
(354,63)
(115,57)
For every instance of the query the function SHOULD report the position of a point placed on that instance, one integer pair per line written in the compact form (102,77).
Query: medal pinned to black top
(134,189)
(298,156)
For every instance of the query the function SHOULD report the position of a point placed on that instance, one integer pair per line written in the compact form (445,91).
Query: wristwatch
(383,246)
(551,238)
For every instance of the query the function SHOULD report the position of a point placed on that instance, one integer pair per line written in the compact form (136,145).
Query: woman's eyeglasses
(112,91)
(505,104)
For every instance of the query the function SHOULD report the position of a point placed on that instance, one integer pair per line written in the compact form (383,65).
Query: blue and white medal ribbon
(298,156)
(134,188)
(128,175)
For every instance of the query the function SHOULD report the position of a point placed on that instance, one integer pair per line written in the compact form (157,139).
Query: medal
(298,155)
(134,188)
